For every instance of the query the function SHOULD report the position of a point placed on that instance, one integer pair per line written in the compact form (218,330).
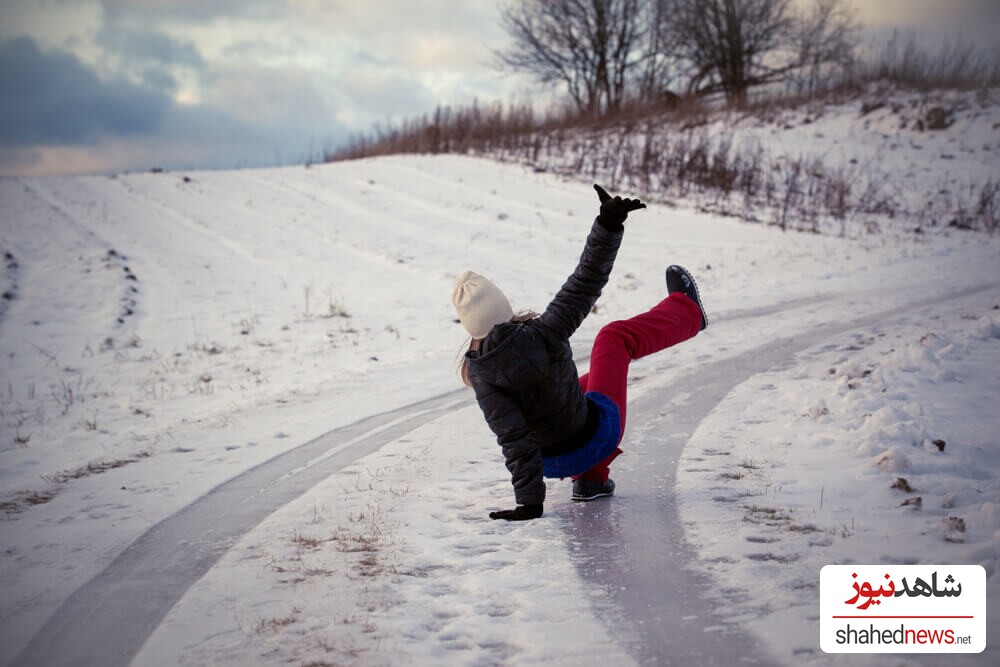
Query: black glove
(615,210)
(519,513)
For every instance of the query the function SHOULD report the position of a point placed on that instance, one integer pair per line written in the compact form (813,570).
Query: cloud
(256,49)
(230,82)
(977,21)
(51,98)
(159,78)
(190,137)
(969,13)
(58,116)
(145,45)
(397,19)
(195,11)
(382,91)
(444,51)
(419,35)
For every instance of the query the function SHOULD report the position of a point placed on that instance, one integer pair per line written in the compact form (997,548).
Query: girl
(548,421)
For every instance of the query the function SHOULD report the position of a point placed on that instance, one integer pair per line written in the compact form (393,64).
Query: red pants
(674,320)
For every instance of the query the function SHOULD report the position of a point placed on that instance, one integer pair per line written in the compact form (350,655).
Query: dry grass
(94,468)
(668,151)
(899,62)
(677,155)
(17,502)
(902,60)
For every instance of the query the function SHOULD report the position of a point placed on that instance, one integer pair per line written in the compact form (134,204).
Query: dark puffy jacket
(525,378)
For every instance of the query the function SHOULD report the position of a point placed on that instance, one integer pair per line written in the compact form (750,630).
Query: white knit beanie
(479,303)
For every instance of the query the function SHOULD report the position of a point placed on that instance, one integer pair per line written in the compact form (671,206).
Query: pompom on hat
(479,303)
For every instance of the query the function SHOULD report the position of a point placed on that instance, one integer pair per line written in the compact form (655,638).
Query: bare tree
(727,41)
(825,36)
(591,46)
(605,51)
(733,45)
(661,46)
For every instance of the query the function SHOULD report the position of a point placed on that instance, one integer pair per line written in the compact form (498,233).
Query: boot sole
(697,294)
(584,499)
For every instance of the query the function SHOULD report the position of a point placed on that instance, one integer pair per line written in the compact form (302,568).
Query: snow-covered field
(843,166)
(163,333)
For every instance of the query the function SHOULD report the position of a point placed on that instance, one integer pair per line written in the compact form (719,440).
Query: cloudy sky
(105,85)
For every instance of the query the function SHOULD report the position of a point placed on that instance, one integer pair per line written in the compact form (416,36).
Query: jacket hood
(512,356)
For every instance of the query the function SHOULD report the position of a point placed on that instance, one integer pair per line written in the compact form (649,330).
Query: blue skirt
(598,448)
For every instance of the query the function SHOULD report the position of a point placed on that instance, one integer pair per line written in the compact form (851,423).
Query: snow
(167,332)
(865,161)
(877,447)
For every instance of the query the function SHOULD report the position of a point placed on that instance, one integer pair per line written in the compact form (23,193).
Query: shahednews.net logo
(902,608)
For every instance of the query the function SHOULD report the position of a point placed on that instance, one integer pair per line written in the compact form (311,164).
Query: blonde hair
(474,344)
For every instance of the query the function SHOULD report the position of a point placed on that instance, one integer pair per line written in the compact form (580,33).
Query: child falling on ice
(548,421)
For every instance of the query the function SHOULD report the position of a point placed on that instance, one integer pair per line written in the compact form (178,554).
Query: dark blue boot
(585,489)
(679,280)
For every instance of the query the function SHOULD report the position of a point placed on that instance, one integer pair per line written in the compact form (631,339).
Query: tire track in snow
(291,194)
(632,547)
(360,217)
(79,281)
(241,210)
(198,227)
(107,620)
(416,231)
(470,209)
(85,231)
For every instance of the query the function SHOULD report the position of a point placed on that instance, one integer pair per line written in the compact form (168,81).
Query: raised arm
(581,290)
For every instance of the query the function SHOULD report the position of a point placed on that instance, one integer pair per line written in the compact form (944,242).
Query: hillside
(882,159)
(171,340)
